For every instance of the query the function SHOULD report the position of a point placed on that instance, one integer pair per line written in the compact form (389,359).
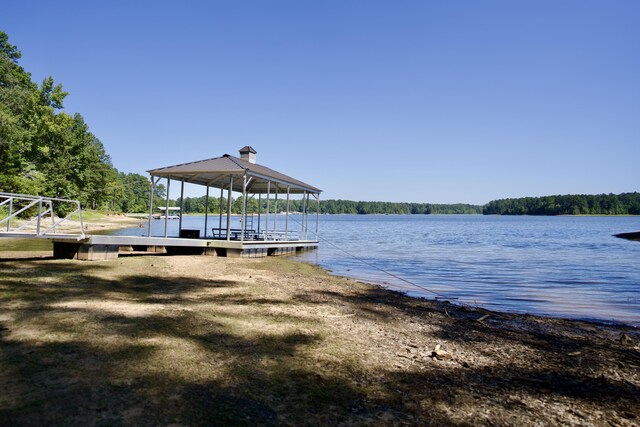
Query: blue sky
(442,102)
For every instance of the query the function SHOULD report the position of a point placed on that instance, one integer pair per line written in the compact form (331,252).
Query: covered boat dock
(244,175)
(273,232)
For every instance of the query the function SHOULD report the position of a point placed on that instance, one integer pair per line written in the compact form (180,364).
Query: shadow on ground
(124,344)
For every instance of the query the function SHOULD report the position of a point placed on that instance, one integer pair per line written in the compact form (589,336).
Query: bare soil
(102,223)
(158,340)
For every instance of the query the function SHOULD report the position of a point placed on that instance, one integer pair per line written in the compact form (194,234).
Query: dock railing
(250,235)
(43,223)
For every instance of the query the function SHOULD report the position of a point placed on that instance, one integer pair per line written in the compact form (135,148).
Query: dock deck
(100,247)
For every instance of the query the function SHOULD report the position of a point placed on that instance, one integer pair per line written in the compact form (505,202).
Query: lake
(556,266)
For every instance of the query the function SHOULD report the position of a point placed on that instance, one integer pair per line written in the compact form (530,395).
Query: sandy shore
(103,223)
(154,340)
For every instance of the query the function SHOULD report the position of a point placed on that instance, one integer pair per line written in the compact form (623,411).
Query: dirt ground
(159,340)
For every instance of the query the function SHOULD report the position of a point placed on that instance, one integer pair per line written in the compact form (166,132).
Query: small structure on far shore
(171,212)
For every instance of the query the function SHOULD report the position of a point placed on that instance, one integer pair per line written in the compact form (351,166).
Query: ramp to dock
(23,215)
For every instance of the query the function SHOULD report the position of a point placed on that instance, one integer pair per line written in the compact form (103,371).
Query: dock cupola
(248,153)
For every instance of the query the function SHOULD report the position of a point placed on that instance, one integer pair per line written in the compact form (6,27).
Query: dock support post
(259,209)
(181,206)
(229,207)
(275,212)
(286,219)
(206,211)
(306,220)
(244,207)
(304,209)
(317,215)
(151,188)
(166,208)
(220,211)
(266,220)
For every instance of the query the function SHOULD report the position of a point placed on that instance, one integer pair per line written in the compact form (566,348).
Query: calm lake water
(557,266)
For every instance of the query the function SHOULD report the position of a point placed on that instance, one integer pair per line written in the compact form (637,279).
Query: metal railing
(272,235)
(43,224)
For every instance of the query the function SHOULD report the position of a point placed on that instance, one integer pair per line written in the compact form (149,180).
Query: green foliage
(8,50)
(48,152)
(197,205)
(602,204)
(134,193)
(50,95)
(390,208)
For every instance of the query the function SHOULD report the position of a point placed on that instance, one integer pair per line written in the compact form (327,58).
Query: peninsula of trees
(580,204)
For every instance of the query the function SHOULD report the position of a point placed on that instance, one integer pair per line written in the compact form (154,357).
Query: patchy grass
(206,340)
(22,245)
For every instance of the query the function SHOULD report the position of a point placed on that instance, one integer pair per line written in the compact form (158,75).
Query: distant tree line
(353,207)
(197,205)
(601,204)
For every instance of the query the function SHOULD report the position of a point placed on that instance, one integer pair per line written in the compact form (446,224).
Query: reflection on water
(561,266)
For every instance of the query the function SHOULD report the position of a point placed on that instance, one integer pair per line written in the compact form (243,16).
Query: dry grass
(204,340)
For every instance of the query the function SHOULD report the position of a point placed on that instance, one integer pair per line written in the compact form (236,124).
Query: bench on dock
(235,233)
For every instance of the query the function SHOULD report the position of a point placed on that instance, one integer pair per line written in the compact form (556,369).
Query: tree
(46,151)
(572,204)
(8,50)
(135,193)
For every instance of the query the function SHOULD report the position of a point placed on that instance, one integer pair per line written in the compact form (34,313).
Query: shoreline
(162,339)
(478,307)
(406,292)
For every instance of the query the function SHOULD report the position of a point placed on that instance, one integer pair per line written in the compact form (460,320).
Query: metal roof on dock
(215,172)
